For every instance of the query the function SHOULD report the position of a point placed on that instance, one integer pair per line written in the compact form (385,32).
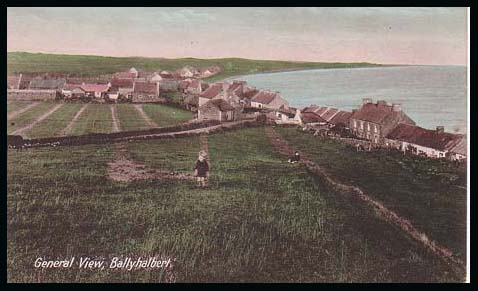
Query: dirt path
(14,114)
(204,143)
(393,218)
(146,118)
(72,123)
(114,116)
(39,119)
(124,169)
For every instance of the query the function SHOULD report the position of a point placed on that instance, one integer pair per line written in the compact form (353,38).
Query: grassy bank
(22,62)
(261,219)
(431,193)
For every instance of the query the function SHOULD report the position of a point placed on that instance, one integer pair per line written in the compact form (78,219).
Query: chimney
(396,107)
(440,129)
(366,100)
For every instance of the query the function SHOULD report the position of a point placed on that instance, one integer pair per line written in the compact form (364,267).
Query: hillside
(23,62)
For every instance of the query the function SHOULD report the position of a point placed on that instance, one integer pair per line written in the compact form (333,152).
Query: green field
(29,116)
(431,193)
(130,118)
(56,122)
(22,62)
(15,105)
(166,116)
(261,219)
(96,118)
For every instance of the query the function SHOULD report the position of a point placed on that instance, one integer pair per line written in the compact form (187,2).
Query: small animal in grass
(295,159)
(201,170)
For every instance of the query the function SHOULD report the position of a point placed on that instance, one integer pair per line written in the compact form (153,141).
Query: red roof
(250,92)
(310,117)
(373,112)
(321,110)
(220,104)
(342,117)
(312,108)
(442,141)
(184,84)
(264,97)
(329,113)
(94,87)
(212,91)
(195,84)
(70,87)
(123,83)
(146,87)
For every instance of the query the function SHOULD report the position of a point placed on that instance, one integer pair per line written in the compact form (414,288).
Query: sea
(431,95)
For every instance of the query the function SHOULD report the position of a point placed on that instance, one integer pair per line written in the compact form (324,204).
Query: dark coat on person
(202,168)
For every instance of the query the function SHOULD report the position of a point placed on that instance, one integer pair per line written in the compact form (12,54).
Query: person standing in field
(201,170)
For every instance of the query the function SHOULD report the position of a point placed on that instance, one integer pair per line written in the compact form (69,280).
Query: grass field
(29,116)
(96,118)
(431,193)
(15,105)
(261,219)
(166,116)
(56,122)
(130,118)
(22,62)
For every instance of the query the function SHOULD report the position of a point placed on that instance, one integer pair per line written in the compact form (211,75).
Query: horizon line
(232,57)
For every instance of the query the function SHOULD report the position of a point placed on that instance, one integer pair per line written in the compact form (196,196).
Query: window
(368,126)
(361,124)
(376,128)
(355,123)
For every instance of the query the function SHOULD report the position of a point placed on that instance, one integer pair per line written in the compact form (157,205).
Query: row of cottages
(323,115)
(145,92)
(210,108)
(374,121)
(268,100)
(192,72)
(426,142)
(91,90)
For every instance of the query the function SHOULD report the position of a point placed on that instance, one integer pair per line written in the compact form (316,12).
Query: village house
(14,81)
(194,87)
(217,109)
(168,81)
(247,95)
(213,92)
(459,151)
(121,87)
(431,143)
(309,117)
(209,71)
(269,100)
(72,91)
(47,84)
(155,77)
(373,121)
(285,115)
(96,90)
(192,102)
(145,92)
(341,118)
(132,73)
(188,72)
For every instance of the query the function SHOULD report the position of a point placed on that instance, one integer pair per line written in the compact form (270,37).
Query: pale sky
(378,35)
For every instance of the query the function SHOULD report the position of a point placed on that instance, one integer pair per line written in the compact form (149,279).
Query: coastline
(231,78)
